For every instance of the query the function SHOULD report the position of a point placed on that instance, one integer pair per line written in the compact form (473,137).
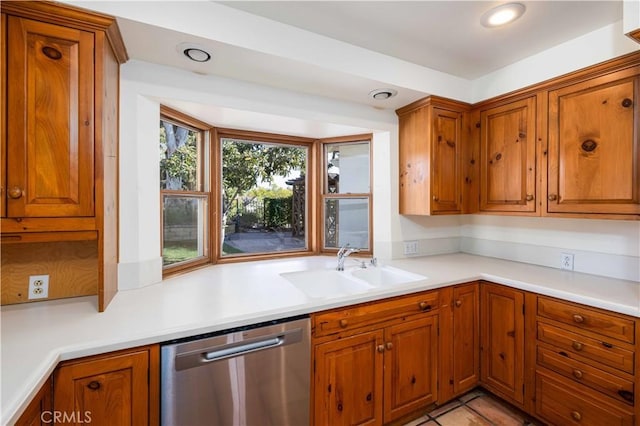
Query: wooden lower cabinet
(502,342)
(561,402)
(410,366)
(39,411)
(118,388)
(466,334)
(380,371)
(348,380)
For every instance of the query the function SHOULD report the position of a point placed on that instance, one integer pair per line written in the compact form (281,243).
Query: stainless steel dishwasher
(257,375)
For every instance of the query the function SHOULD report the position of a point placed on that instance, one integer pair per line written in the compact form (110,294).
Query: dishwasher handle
(243,349)
(236,349)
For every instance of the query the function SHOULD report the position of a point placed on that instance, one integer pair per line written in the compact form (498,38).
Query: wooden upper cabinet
(50,157)
(508,157)
(594,146)
(430,157)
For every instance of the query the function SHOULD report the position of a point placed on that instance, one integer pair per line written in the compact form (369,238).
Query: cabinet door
(410,366)
(414,162)
(112,390)
(502,341)
(50,150)
(466,326)
(39,410)
(508,157)
(594,148)
(348,380)
(446,155)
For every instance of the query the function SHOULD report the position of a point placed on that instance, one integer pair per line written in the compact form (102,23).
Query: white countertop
(36,336)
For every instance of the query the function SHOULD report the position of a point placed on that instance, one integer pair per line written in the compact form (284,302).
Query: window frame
(270,138)
(324,194)
(204,179)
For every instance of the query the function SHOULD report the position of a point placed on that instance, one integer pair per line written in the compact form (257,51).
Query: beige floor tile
(430,423)
(462,416)
(419,421)
(443,409)
(498,413)
(470,395)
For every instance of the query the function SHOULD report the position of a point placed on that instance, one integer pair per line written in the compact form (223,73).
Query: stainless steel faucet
(343,253)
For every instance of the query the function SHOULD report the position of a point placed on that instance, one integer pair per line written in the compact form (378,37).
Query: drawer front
(588,319)
(373,313)
(560,402)
(609,384)
(592,349)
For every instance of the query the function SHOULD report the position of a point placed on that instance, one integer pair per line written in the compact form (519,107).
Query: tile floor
(476,408)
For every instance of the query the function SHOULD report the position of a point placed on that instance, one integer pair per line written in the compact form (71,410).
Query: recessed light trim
(502,15)
(194,52)
(382,94)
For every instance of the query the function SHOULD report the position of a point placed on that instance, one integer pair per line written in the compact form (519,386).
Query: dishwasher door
(256,376)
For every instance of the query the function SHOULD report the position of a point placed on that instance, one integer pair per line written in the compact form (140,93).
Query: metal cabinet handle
(553,197)
(435,198)
(578,318)
(577,346)
(389,346)
(458,303)
(343,323)
(15,192)
(576,416)
(380,348)
(529,197)
(577,374)
(94,385)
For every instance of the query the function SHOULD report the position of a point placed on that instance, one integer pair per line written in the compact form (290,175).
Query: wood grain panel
(3,114)
(50,117)
(445,161)
(415,154)
(594,146)
(466,331)
(72,268)
(410,367)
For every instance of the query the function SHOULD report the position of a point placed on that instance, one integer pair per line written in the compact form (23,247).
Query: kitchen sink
(329,283)
(380,276)
(326,283)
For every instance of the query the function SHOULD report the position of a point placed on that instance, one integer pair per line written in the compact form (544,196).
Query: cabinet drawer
(592,349)
(588,319)
(560,402)
(616,387)
(359,316)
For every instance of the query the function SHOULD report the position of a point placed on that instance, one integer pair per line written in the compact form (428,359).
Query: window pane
(347,168)
(264,197)
(346,222)
(179,163)
(184,225)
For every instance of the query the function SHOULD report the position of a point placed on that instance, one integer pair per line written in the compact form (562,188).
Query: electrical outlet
(410,248)
(566,261)
(38,286)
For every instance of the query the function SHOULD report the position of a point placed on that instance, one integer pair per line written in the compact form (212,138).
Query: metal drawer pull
(458,303)
(94,385)
(576,416)
(15,192)
(389,345)
(577,346)
(578,318)
(380,348)
(343,323)
(577,374)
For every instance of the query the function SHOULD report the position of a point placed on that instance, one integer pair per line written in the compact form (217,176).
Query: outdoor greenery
(178,157)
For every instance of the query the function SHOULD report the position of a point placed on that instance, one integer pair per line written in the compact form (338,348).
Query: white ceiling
(442,35)
(344,49)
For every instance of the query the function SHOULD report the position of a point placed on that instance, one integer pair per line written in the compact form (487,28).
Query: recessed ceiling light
(194,52)
(382,94)
(502,15)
